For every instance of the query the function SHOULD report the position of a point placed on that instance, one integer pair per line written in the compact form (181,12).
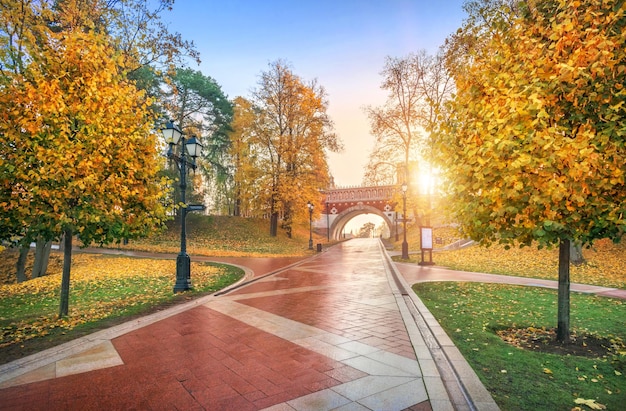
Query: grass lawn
(536,377)
(529,372)
(105,290)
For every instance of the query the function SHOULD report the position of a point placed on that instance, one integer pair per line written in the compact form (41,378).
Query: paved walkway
(337,331)
(413,273)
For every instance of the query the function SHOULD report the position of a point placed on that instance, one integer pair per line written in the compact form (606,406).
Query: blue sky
(341,43)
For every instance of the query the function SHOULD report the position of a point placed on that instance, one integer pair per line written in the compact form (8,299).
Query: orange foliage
(534,147)
(79,149)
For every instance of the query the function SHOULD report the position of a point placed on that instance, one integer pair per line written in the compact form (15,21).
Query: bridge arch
(341,219)
(341,204)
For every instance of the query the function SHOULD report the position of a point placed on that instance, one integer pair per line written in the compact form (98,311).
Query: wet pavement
(339,331)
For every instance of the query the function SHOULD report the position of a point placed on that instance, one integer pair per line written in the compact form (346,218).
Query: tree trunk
(65,279)
(287,221)
(42,255)
(562,331)
(21,263)
(274,224)
(576,254)
(273,217)
(237,210)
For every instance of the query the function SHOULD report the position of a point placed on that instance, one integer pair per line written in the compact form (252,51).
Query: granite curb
(464,389)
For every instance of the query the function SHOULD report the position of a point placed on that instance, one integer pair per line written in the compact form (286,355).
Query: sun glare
(427,181)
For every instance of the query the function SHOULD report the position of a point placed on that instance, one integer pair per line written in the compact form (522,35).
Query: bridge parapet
(371,193)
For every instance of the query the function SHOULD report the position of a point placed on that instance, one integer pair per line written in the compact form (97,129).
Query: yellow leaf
(547,371)
(590,403)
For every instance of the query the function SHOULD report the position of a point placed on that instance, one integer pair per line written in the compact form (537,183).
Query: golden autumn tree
(136,31)
(292,132)
(78,147)
(244,155)
(535,149)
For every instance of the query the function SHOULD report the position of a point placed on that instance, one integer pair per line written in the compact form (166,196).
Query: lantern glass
(171,133)
(194,148)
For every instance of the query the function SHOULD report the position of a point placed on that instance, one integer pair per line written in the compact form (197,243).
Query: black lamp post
(405,245)
(188,148)
(397,234)
(327,223)
(310,224)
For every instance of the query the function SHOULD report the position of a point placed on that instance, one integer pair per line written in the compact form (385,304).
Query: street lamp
(405,245)
(310,206)
(327,223)
(397,234)
(188,148)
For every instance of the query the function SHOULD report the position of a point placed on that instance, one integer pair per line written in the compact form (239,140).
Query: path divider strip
(461,384)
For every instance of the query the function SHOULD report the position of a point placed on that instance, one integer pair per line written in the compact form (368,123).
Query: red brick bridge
(341,204)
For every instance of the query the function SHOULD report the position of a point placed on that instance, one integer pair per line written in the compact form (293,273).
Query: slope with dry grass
(226,236)
(605,262)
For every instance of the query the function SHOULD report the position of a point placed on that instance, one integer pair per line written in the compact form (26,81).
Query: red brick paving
(202,359)
(205,361)
(331,309)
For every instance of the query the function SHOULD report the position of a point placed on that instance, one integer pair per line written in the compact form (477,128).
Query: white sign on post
(427,238)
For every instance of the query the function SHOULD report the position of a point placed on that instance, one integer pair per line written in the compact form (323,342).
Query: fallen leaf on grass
(89,274)
(590,403)
(605,262)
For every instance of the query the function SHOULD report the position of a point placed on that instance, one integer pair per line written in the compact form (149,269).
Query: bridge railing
(340,194)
